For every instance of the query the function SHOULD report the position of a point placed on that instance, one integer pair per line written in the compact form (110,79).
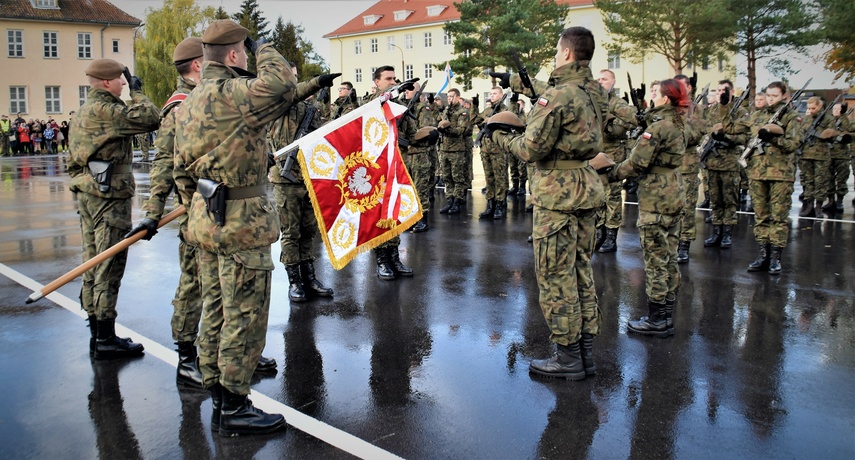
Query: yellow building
(49,44)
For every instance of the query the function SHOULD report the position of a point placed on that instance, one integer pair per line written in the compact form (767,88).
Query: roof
(79,11)
(384,14)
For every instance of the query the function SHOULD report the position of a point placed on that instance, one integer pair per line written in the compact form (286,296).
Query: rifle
(703,96)
(811,134)
(415,100)
(637,96)
(305,128)
(712,145)
(756,144)
(341,107)
(524,77)
(484,130)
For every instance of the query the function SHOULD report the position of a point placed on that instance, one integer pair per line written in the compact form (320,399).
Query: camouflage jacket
(695,128)
(841,151)
(454,138)
(619,121)
(658,150)
(515,108)
(566,123)
(778,161)
(102,130)
(424,118)
(283,130)
(815,148)
(344,104)
(725,158)
(160,175)
(487,144)
(221,135)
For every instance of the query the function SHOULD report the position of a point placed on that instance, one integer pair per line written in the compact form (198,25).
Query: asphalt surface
(436,366)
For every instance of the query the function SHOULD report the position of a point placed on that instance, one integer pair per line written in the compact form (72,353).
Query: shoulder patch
(543,102)
(176,98)
(647,135)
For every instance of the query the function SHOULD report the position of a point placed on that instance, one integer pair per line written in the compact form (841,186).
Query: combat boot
(521,191)
(601,235)
(216,406)
(762,261)
(610,242)
(727,236)
(93,333)
(807,209)
(652,324)
(706,203)
(830,206)
(187,374)
(310,282)
(265,366)
(421,225)
(566,362)
(238,416)
(669,314)
(108,346)
(296,291)
(491,205)
(588,354)
(515,188)
(455,206)
(499,211)
(838,205)
(439,182)
(397,265)
(683,252)
(715,238)
(530,207)
(775,260)
(447,207)
(384,265)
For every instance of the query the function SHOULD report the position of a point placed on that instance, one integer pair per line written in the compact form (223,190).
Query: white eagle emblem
(359,182)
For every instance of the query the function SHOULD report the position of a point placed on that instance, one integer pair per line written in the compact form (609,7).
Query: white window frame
(83,93)
(15,40)
(375,45)
(446,38)
(428,71)
(53,99)
(428,39)
(84,45)
(357,47)
(390,43)
(46,4)
(408,41)
(18,99)
(50,40)
(721,64)
(358,75)
(408,72)
(614,60)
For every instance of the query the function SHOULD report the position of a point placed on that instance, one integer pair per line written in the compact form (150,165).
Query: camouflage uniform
(495,162)
(5,145)
(619,121)
(453,151)
(221,136)
(102,130)
(815,160)
(722,167)
(518,168)
(187,301)
(417,157)
(564,131)
(655,160)
(840,155)
(695,127)
(345,104)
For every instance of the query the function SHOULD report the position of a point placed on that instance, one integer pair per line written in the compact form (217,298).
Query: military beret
(105,69)
(224,32)
(601,162)
(444,124)
(505,121)
(187,50)
(423,133)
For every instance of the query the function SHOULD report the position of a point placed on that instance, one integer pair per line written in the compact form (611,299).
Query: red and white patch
(799,119)
(647,135)
(543,102)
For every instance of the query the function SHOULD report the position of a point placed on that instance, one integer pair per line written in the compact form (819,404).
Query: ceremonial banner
(361,192)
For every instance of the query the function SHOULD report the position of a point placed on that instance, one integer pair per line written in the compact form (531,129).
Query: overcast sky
(318,17)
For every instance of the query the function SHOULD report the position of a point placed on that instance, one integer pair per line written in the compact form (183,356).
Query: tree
(489,30)
(250,17)
(288,40)
(684,31)
(221,13)
(837,17)
(164,29)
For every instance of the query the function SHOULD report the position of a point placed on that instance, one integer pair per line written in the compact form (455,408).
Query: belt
(241,193)
(561,164)
(660,170)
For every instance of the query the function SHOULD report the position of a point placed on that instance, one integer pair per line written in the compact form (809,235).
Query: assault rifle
(347,100)
(811,135)
(712,144)
(524,77)
(484,129)
(637,96)
(415,100)
(756,144)
(305,128)
(703,96)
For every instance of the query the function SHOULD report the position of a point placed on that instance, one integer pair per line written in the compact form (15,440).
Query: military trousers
(815,177)
(660,235)
(563,247)
(454,173)
(724,196)
(519,172)
(297,223)
(103,223)
(772,202)
(187,303)
(688,229)
(839,176)
(234,317)
(612,209)
(5,145)
(422,173)
(496,173)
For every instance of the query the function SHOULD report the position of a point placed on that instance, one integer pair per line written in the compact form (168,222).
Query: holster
(102,172)
(285,169)
(214,194)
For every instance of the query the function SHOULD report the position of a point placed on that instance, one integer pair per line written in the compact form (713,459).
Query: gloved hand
(504,78)
(724,97)
(147,225)
(252,46)
(271,160)
(717,132)
(134,83)
(769,132)
(433,137)
(475,101)
(515,97)
(326,80)
(430,98)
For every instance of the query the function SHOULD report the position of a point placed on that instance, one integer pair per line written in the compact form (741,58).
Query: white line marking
(796,217)
(326,433)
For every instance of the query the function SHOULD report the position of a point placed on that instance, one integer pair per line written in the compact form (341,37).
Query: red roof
(386,10)
(81,11)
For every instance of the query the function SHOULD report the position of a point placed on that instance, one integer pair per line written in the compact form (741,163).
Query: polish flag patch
(647,135)
(543,102)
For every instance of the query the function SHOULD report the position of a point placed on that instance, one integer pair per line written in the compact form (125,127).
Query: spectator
(24,145)
(35,136)
(63,135)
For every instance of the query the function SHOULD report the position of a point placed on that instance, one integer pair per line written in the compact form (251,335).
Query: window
(84,45)
(16,43)
(428,71)
(408,41)
(17,99)
(373,69)
(46,4)
(408,72)
(467,53)
(358,75)
(52,99)
(720,64)
(371,19)
(115,45)
(614,59)
(374,45)
(390,43)
(446,38)
(705,64)
(428,40)
(83,93)
(357,47)
(401,15)
(435,10)
(51,45)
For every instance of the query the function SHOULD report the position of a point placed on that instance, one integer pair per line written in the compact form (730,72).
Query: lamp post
(403,69)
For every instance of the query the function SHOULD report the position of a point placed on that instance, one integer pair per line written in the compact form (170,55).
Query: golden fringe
(387,223)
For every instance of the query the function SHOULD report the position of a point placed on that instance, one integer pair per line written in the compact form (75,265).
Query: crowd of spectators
(32,136)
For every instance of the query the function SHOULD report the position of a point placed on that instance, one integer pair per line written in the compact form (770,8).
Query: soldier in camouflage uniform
(345,102)
(417,156)
(840,156)
(221,159)
(297,221)
(815,160)
(695,128)
(772,175)
(495,163)
(102,178)
(455,127)
(619,121)
(518,168)
(656,158)
(564,131)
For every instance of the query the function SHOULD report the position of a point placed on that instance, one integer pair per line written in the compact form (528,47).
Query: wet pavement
(436,366)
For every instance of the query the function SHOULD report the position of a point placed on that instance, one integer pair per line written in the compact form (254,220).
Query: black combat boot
(807,209)
(706,203)
(669,314)
(762,261)
(601,236)
(447,207)
(296,290)
(683,252)
(310,283)
(652,324)
(727,236)
(439,182)
(566,362)
(108,346)
(93,333)
(456,206)
(384,265)
(421,225)
(588,354)
(530,207)
(515,188)
(238,416)
(610,242)
(838,205)
(521,191)
(491,205)
(715,238)
(216,406)
(265,366)
(775,260)
(829,207)
(397,265)
(500,209)
(187,373)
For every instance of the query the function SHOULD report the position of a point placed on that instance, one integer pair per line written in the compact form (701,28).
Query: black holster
(102,172)
(214,194)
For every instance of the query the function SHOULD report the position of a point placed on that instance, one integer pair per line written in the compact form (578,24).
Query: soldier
(297,221)
(455,128)
(564,131)
(839,141)
(619,121)
(690,168)
(102,177)
(417,156)
(815,160)
(657,158)
(772,176)
(759,101)
(346,100)
(5,132)
(221,173)
(495,162)
(519,172)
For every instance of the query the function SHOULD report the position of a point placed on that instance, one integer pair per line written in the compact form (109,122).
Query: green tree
(836,29)
(250,17)
(220,13)
(165,28)
(287,38)
(684,31)
(489,30)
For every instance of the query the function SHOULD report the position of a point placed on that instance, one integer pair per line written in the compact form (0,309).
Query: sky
(318,17)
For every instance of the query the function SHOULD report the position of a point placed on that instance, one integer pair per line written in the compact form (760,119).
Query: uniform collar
(573,71)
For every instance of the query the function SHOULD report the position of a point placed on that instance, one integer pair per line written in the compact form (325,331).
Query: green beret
(187,50)
(224,32)
(105,69)
(423,133)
